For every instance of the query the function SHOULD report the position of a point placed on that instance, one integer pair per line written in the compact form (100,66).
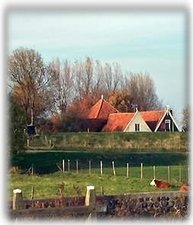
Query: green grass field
(47,185)
(47,178)
(120,142)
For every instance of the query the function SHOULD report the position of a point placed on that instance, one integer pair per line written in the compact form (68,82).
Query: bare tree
(88,76)
(117,76)
(112,76)
(98,82)
(77,71)
(62,84)
(29,81)
(142,91)
(108,77)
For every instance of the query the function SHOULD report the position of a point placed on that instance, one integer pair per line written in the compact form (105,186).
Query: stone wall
(127,206)
(164,204)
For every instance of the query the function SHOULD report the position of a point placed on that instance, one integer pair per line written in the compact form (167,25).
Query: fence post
(168,173)
(153,172)
(101,165)
(127,169)
(32,169)
(113,164)
(17,199)
(63,165)
(89,166)
(68,165)
(141,171)
(90,199)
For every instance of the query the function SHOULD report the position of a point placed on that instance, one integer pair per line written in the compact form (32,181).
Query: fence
(42,209)
(164,204)
(180,173)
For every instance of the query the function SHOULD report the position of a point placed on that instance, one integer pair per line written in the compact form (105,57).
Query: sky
(153,42)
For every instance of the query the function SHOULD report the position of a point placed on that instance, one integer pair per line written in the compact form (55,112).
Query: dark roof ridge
(160,110)
(122,113)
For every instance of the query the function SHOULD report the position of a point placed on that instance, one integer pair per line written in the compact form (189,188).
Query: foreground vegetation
(117,142)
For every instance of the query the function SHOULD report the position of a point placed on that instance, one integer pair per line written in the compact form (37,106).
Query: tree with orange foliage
(121,100)
(29,82)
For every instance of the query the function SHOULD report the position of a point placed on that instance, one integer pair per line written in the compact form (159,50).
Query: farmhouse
(104,117)
(98,115)
(101,110)
(162,120)
(126,122)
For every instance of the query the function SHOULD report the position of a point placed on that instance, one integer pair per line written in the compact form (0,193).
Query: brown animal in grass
(184,188)
(160,184)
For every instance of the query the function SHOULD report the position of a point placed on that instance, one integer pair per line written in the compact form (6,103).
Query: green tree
(17,122)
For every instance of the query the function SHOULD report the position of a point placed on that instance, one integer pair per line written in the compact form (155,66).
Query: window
(168,125)
(137,127)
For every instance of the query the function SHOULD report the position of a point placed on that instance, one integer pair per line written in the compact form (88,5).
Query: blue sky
(152,42)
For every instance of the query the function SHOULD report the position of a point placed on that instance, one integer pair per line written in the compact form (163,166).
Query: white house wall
(137,119)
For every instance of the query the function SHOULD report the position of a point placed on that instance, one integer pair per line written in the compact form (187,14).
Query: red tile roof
(152,118)
(101,110)
(118,121)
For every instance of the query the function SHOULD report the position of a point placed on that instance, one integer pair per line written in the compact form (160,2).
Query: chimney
(167,107)
(101,97)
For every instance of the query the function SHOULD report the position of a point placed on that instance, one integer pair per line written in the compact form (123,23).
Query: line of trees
(67,88)
(57,93)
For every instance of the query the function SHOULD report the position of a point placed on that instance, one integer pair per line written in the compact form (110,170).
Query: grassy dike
(119,142)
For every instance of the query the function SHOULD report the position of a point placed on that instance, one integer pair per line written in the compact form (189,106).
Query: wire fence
(178,172)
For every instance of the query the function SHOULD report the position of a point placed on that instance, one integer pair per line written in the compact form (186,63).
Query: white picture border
(120,4)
